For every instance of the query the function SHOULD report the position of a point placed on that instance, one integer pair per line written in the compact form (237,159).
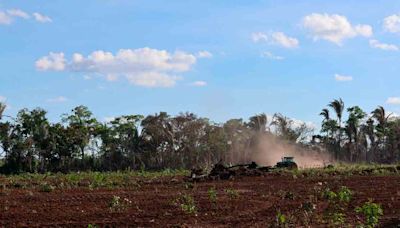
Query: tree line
(29,142)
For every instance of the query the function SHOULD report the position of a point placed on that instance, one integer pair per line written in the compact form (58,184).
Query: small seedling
(281,220)
(338,218)
(187,204)
(232,193)
(212,195)
(117,204)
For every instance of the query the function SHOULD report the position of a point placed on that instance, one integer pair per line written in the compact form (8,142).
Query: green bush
(345,194)
(372,212)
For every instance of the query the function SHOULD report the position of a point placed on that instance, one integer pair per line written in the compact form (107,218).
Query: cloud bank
(334,28)
(142,67)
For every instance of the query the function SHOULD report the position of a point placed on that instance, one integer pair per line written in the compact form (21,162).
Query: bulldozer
(287,162)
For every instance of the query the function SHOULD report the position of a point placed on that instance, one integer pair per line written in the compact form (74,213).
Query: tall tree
(157,140)
(338,106)
(379,114)
(83,125)
(258,123)
(352,129)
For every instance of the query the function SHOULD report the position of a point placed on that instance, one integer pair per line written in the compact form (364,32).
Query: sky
(219,59)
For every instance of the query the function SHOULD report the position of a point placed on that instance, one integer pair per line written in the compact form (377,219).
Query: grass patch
(90,180)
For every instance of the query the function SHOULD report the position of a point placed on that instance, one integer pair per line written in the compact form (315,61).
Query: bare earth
(153,203)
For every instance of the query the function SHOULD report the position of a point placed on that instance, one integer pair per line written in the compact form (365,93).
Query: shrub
(45,187)
(345,194)
(328,194)
(372,212)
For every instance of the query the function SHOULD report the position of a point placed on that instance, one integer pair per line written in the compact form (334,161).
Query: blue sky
(219,59)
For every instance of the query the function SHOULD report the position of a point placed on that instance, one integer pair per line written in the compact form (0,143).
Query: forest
(29,142)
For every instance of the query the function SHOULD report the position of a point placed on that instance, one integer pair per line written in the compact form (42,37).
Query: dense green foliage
(31,143)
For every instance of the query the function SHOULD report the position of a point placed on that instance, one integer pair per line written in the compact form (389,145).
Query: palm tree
(379,114)
(258,123)
(325,114)
(368,131)
(284,127)
(352,129)
(338,107)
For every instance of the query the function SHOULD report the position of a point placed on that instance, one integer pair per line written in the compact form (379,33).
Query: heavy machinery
(287,162)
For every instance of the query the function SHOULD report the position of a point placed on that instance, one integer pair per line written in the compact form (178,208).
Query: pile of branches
(223,172)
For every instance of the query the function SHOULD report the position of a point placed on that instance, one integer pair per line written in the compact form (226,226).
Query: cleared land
(297,198)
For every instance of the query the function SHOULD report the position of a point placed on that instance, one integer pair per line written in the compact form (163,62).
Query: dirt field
(242,202)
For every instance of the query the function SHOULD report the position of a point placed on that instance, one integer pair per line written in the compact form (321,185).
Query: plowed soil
(155,203)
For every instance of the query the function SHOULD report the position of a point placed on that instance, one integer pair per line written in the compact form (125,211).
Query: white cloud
(42,18)
(87,77)
(392,23)
(259,36)
(334,28)
(393,100)
(3,99)
(7,16)
(59,99)
(54,62)
(343,78)
(204,54)
(285,41)
(18,13)
(143,67)
(199,83)
(5,19)
(270,55)
(383,46)
(276,38)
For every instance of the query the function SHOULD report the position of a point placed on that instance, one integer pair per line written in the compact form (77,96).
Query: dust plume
(270,150)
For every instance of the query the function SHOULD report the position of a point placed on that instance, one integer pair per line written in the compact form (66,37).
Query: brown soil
(153,204)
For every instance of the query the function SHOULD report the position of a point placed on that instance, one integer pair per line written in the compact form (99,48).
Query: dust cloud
(270,150)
